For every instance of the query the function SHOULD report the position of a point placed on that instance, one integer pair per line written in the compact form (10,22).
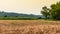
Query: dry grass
(29,27)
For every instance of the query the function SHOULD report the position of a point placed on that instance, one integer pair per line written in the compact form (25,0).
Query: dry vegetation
(29,27)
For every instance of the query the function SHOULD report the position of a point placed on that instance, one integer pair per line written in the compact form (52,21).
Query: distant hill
(2,14)
(16,16)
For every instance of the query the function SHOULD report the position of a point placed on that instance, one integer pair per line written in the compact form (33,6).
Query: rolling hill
(2,14)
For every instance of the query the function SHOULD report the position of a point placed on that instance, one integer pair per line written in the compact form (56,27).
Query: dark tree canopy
(45,11)
(5,16)
(53,12)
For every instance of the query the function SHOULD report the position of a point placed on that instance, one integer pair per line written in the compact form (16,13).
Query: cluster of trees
(53,12)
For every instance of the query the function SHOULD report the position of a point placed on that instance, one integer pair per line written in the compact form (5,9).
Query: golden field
(29,27)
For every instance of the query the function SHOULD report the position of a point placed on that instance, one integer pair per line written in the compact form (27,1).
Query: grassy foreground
(30,22)
(29,27)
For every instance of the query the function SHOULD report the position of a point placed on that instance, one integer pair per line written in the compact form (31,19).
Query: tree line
(53,12)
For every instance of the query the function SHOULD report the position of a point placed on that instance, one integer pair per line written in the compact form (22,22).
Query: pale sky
(25,6)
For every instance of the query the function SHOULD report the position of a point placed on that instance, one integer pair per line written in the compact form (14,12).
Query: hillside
(17,14)
(6,15)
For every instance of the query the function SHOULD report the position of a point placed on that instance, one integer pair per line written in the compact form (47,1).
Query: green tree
(55,11)
(45,12)
(5,16)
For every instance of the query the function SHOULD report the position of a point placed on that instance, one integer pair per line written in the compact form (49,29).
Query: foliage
(53,12)
(5,16)
(45,11)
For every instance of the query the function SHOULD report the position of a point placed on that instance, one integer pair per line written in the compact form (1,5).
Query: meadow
(29,27)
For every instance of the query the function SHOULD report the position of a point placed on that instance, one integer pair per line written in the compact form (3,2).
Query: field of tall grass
(29,27)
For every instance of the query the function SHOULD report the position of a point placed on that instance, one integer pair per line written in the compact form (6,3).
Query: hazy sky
(25,6)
